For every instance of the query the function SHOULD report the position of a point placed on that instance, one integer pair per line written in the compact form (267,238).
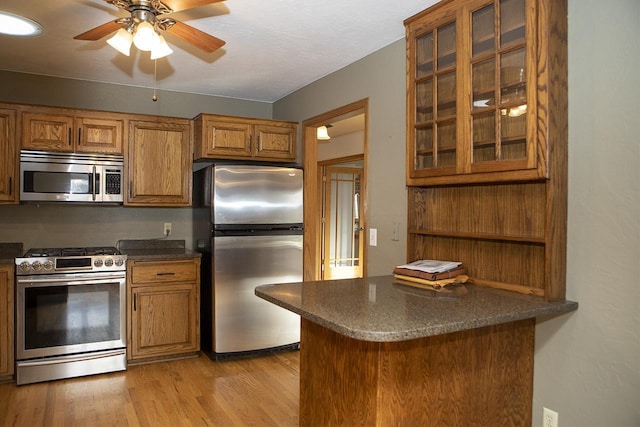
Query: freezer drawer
(243,322)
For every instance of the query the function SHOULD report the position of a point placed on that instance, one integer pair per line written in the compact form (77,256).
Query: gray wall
(48,225)
(381,78)
(43,90)
(587,364)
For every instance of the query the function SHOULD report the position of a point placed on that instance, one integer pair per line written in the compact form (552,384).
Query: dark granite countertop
(380,310)
(9,251)
(156,249)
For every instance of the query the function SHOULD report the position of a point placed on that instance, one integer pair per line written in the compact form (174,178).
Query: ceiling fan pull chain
(155,69)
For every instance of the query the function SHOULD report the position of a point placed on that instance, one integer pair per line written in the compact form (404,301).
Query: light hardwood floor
(257,391)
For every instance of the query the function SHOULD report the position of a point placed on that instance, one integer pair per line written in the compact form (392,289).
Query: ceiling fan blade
(100,31)
(198,38)
(177,5)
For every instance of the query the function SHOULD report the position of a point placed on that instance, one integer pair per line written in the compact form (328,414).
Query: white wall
(350,144)
(587,364)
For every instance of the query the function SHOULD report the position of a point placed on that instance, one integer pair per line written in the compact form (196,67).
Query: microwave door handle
(93,187)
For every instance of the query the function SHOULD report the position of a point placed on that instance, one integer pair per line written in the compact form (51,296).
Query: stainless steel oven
(70,177)
(70,313)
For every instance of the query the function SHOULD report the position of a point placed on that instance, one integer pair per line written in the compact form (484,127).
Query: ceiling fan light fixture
(161,49)
(15,25)
(121,41)
(322,134)
(145,37)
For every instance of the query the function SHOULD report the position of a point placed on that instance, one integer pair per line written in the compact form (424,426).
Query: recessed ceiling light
(15,25)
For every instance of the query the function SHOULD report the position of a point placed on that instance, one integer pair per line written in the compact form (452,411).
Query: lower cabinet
(6,322)
(164,309)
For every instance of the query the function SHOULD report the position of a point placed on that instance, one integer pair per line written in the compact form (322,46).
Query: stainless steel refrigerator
(248,225)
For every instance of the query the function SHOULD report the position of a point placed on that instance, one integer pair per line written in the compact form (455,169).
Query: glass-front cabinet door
(435,107)
(472,94)
(499,85)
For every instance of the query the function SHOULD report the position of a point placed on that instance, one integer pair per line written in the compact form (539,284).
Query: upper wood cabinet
(481,79)
(159,162)
(8,157)
(228,137)
(487,141)
(51,129)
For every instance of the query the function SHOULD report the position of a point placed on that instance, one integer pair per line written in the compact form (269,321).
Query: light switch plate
(373,237)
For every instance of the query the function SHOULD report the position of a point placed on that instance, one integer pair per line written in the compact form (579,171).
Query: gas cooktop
(71,260)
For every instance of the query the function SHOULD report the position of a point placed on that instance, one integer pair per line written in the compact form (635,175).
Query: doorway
(342,234)
(335,193)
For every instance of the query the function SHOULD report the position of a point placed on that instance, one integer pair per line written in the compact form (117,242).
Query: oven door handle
(70,281)
(73,358)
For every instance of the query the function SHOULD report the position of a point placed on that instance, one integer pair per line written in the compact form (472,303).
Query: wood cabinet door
(99,135)
(8,157)
(6,321)
(275,142)
(159,163)
(225,139)
(47,132)
(164,320)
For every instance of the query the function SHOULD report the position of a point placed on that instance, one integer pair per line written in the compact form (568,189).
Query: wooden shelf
(481,236)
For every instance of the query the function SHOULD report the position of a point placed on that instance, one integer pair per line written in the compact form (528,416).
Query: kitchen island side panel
(481,376)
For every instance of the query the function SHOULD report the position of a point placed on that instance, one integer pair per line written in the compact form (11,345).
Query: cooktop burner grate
(71,252)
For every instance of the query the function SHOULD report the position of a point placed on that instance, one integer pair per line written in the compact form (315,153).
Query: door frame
(313,199)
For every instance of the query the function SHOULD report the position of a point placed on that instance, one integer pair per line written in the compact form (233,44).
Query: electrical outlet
(549,418)
(167,229)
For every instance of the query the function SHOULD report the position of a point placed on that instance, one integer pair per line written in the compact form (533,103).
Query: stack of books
(432,274)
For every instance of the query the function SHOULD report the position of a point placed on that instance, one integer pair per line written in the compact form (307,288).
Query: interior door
(343,237)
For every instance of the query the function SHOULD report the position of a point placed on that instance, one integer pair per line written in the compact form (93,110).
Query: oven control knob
(97,262)
(119,262)
(37,265)
(108,262)
(48,265)
(24,266)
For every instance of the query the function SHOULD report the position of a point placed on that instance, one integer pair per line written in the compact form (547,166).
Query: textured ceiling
(272,47)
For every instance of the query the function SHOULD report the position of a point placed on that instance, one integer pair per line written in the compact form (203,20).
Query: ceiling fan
(143,26)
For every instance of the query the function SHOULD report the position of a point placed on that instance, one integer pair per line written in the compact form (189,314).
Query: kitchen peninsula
(374,352)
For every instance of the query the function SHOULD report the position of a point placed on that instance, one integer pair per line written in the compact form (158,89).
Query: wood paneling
(478,377)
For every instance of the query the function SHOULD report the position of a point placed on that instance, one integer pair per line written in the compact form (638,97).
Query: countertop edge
(432,329)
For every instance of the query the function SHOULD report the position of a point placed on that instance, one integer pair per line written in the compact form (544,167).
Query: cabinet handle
(135,301)
(79,135)
(166,274)
(130,189)
(69,136)
(10,185)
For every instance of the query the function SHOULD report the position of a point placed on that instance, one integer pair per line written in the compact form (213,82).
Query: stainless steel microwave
(70,177)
